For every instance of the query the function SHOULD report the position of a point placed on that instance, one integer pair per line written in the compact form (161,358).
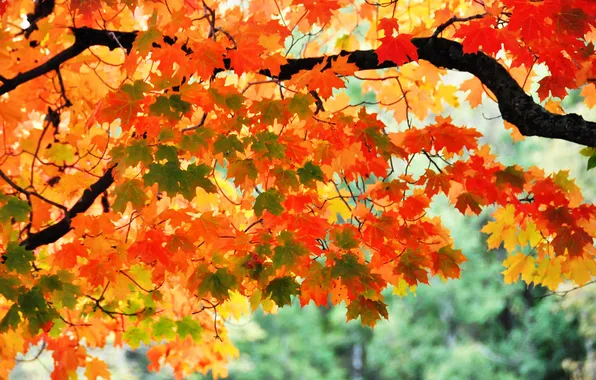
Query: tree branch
(84,39)
(516,106)
(58,230)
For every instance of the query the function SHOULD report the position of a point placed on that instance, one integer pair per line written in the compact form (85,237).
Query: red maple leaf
(480,33)
(398,50)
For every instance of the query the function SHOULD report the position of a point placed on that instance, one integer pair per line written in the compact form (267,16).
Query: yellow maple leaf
(236,307)
(447,93)
(548,272)
(580,271)
(519,264)
(529,235)
(402,287)
(503,229)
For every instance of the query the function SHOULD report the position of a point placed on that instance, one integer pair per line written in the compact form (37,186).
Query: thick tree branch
(56,231)
(84,39)
(516,106)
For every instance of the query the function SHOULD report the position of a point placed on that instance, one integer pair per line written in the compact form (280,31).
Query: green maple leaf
(188,326)
(269,200)
(14,209)
(310,173)
(231,101)
(300,105)
(195,176)
(134,336)
(129,191)
(50,283)
(348,267)
(288,252)
(9,287)
(137,151)
(167,152)
(271,109)
(18,258)
(173,180)
(170,107)
(61,154)
(137,90)
(368,310)
(146,38)
(11,320)
(228,145)
(345,238)
(161,107)
(218,284)
(67,293)
(167,176)
(281,289)
(164,328)
(592,162)
(267,144)
(198,139)
(36,309)
(179,105)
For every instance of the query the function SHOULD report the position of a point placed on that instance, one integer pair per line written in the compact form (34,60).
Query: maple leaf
(519,264)
(218,284)
(123,104)
(14,208)
(412,267)
(97,368)
(469,201)
(18,258)
(398,50)
(369,311)
(345,237)
(189,327)
(446,261)
(319,11)
(480,33)
(571,240)
(280,289)
(246,58)
(164,328)
(342,67)
(135,336)
(269,200)
(451,138)
(548,272)
(129,191)
(503,230)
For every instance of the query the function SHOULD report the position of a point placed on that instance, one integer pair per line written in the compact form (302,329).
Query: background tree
(163,162)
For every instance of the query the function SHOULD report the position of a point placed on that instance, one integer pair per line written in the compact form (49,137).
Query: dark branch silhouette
(56,231)
(516,106)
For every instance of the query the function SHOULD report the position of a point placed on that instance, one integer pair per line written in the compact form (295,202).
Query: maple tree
(166,164)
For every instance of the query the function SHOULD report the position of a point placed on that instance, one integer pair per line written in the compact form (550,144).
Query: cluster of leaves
(226,172)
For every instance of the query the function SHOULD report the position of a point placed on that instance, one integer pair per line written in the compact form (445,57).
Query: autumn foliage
(168,164)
